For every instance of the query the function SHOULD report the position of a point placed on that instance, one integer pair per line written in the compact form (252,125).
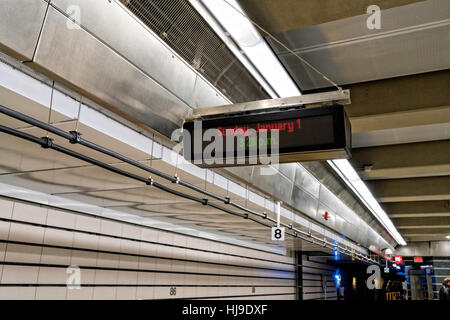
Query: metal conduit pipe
(23,117)
(200,190)
(149,181)
(262,215)
(329,244)
(48,144)
(75,137)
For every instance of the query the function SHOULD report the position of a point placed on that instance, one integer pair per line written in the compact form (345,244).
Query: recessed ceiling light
(448,237)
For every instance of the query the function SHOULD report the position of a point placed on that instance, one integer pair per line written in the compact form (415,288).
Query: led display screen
(293,135)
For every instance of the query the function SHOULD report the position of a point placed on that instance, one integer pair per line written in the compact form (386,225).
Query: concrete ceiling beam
(413,236)
(413,189)
(417,92)
(421,223)
(401,119)
(403,161)
(417,209)
(278,16)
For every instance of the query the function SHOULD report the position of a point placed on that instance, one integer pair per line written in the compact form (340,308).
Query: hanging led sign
(311,134)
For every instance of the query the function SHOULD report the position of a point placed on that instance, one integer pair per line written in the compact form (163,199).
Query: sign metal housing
(306,134)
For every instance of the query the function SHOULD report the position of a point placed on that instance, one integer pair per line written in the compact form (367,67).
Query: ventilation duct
(181,27)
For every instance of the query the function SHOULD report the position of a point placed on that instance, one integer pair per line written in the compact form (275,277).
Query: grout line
(136,255)
(30,264)
(136,240)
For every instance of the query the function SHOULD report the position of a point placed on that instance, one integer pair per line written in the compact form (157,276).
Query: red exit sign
(398,259)
(418,259)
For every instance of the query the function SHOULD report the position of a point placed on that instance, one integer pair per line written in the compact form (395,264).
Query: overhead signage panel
(321,133)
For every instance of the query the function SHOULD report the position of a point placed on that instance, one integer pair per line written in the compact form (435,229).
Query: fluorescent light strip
(228,20)
(352,179)
(250,42)
(224,36)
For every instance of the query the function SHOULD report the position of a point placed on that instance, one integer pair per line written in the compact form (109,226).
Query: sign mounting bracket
(308,100)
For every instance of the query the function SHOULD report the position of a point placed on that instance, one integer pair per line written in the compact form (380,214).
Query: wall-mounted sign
(418,259)
(398,259)
(320,133)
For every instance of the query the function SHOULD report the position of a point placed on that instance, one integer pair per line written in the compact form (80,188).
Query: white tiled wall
(314,271)
(124,261)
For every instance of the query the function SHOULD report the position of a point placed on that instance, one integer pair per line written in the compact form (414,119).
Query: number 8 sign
(277,233)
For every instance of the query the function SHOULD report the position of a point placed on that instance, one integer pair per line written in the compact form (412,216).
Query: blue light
(336,252)
(337,276)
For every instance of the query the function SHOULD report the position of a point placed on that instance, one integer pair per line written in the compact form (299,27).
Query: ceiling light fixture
(352,179)
(231,21)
